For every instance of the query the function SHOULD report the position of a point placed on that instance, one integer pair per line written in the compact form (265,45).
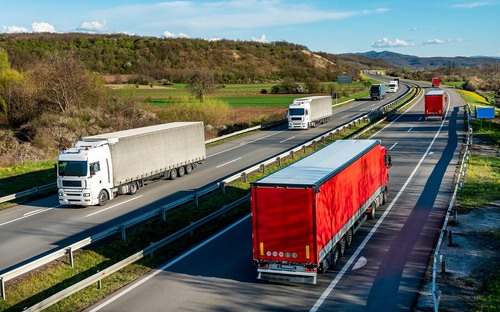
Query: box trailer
(377,91)
(102,166)
(304,113)
(304,215)
(393,86)
(435,103)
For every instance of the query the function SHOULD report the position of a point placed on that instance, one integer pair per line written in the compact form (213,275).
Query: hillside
(412,61)
(174,59)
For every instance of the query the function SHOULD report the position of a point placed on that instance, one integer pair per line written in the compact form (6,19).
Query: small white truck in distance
(393,86)
(102,166)
(305,112)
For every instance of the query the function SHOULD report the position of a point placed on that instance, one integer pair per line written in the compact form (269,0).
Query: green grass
(489,299)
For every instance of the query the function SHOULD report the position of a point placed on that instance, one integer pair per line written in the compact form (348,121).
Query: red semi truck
(435,102)
(435,82)
(305,215)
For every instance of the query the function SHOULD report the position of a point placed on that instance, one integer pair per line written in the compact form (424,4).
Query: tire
(189,168)
(173,174)
(342,246)
(103,198)
(194,165)
(384,197)
(133,188)
(335,256)
(371,216)
(348,238)
(181,171)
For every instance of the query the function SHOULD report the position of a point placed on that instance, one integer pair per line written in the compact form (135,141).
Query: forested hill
(174,59)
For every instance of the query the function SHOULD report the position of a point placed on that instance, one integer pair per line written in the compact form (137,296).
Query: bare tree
(201,83)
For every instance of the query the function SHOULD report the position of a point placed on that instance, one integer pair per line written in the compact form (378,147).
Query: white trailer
(102,166)
(306,112)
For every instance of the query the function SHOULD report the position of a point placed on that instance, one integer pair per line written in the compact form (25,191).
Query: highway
(43,226)
(383,269)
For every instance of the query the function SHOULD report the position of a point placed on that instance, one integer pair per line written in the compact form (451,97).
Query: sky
(423,28)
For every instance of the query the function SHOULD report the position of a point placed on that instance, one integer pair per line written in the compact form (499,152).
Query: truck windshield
(374,89)
(296,112)
(73,168)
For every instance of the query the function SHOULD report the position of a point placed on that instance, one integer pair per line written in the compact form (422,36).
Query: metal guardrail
(458,183)
(27,192)
(16,272)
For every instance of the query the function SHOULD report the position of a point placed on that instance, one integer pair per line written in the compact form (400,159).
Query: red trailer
(304,215)
(435,102)
(435,82)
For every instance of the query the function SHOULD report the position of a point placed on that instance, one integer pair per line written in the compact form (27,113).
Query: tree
(64,84)
(201,83)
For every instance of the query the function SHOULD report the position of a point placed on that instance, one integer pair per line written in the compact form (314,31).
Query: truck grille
(66,183)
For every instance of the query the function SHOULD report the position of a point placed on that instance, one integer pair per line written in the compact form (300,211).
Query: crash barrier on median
(121,229)
(460,180)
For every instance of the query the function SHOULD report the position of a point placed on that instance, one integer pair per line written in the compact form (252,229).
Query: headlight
(86,194)
(61,193)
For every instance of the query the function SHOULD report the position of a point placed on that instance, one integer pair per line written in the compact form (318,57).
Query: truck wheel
(173,174)
(189,168)
(194,165)
(371,216)
(342,245)
(181,171)
(348,238)
(103,198)
(335,255)
(384,197)
(133,188)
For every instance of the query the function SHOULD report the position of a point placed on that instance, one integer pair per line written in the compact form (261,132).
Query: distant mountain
(402,60)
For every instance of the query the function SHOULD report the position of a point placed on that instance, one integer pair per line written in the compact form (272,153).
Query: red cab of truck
(435,102)
(304,215)
(435,82)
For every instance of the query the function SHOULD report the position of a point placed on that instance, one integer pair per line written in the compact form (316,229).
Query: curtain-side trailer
(102,166)
(434,104)
(304,215)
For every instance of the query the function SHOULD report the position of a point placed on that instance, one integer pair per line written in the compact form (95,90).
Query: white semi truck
(102,166)
(393,86)
(306,112)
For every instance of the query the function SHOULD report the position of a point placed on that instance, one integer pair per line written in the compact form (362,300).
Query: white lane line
(227,163)
(110,207)
(393,146)
(27,215)
(410,129)
(344,117)
(163,268)
(420,119)
(287,139)
(244,143)
(332,285)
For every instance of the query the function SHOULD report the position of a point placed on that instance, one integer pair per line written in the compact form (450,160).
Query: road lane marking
(344,269)
(107,208)
(287,139)
(360,263)
(27,215)
(244,143)
(166,266)
(227,163)
(393,146)
(410,129)
(344,117)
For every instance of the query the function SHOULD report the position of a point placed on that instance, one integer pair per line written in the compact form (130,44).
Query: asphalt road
(40,227)
(383,269)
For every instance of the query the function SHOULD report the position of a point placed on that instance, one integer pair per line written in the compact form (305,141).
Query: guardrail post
(442,259)
(223,187)
(244,176)
(2,288)
(69,251)
(164,215)
(263,166)
(314,144)
(292,153)
(99,282)
(304,148)
(124,234)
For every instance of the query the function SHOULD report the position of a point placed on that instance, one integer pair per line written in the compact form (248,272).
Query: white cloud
(38,27)
(93,26)
(168,34)
(13,29)
(414,28)
(440,41)
(470,5)
(262,39)
(385,43)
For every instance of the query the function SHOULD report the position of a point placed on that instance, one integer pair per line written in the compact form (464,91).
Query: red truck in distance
(435,82)
(435,103)
(305,215)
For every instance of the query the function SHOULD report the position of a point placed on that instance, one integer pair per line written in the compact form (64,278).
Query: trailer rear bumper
(287,276)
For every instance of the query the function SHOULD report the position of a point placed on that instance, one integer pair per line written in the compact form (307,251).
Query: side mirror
(388,161)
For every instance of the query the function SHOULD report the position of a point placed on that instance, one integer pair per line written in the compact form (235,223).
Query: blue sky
(423,28)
